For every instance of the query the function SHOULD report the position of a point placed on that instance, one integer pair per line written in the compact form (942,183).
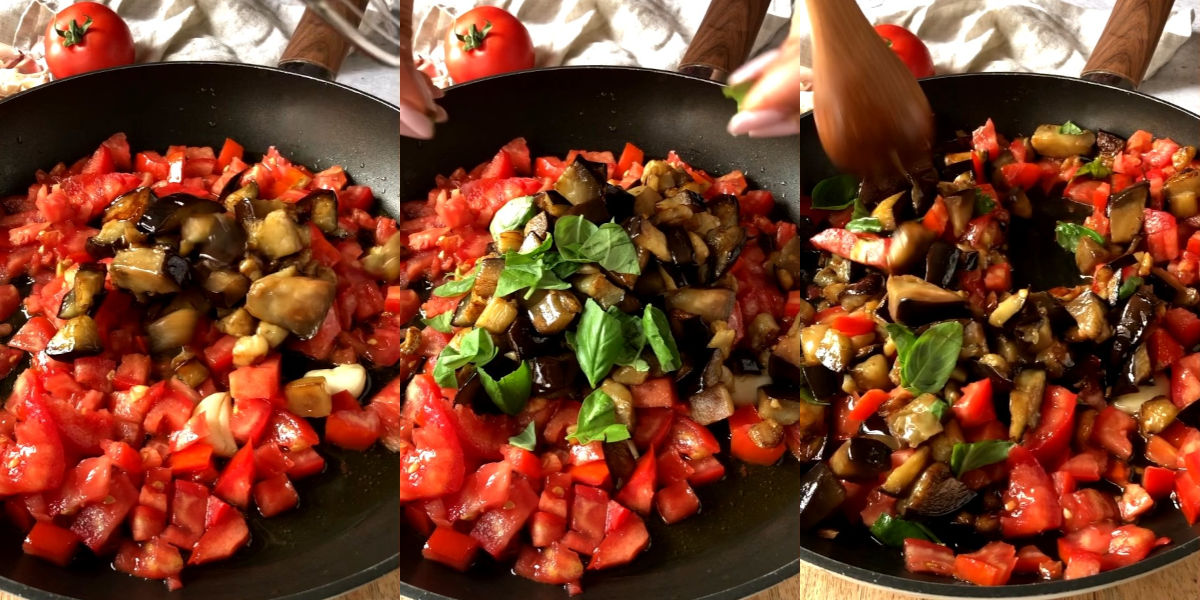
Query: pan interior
(746,536)
(1017,103)
(344,533)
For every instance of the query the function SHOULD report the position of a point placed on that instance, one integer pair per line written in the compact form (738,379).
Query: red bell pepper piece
(450,547)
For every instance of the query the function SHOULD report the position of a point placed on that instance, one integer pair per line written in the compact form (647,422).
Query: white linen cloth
(246,31)
(1047,36)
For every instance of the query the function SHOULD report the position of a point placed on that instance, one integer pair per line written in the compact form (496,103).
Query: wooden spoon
(872,117)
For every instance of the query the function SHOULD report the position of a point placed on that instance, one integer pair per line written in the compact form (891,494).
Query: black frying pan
(344,533)
(745,538)
(1018,103)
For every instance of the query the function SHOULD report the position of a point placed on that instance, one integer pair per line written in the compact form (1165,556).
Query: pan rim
(1045,589)
(341,585)
(205,63)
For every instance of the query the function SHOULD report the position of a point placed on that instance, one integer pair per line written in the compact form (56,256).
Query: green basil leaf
(1094,169)
(892,531)
(516,278)
(1070,128)
(1129,286)
(860,211)
(598,420)
(1068,235)
(474,347)
(570,233)
(440,323)
(903,337)
(512,391)
(658,333)
(634,335)
(939,409)
(455,287)
(611,247)
(807,396)
(527,439)
(513,215)
(864,225)
(835,193)
(927,364)
(968,457)
(599,342)
(984,203)
(737,92)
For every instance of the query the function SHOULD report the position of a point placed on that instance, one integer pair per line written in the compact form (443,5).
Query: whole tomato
(87,36)
(908,47)
(486,41)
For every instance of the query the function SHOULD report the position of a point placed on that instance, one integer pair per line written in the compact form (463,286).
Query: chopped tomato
(991,565)
(1031,505)
(1057,423)
(450,547)
(743,445)
(921,556)
(974,406)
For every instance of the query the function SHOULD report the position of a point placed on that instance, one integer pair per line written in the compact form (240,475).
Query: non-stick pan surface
(1017,103)
(344,533)
(745,538)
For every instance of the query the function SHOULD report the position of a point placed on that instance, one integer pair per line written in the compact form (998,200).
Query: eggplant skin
(298,304)
(78,337)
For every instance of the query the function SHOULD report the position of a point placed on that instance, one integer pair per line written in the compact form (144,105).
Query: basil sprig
(968,457)
(580,240)
(1129,286)
(599,341)
(513,215)
(926,361)
(864,225)
(534,270)
(892,531)
(1095,169)
(455,287)
(474,347)
(1068,235)
(527,439)
(835,193)
(1070,128)
(440,323)
(658,333)
(511,392)
(737,92)
(598,420)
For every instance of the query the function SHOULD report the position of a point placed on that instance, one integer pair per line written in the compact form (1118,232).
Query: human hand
(772,105)
(418,111)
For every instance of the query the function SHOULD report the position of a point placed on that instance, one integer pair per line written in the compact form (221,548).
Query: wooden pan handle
(1127,42)
(316,48)
(724,39)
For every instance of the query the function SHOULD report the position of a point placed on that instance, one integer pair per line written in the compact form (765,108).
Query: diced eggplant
(552,311)
(168,213)
(113,236)
(1183,191)
(835,350)
(218,237)
(298,304)
(226,287)
(238,323)
(961,207)
(861,457)
(1025,401)
(915,302)
(149,271)
(307,397)
(784,372)
(821,494)
(1109,144)
(712,404)
(649,238)
(1125,213)
(619,202)
(85,295)
(193,373)
(488,276)
(1049,141)
(1089,254)
(599,288)
(386,261)
(77,337)
(173,330)
(886,210)
(903,476)
(782,405)
(710,304)
(871,373)
(129,206)
(1168,287)
(527,342)
(909,245)
(582,181)
(1156,415)
(552,203)
(497,315)
(468,310)
(595,211)
(275,236)
(938,493)
(539,225)
(553,374)
(239,200)
(916,422)
(320,206)
(1008,307)
(1136,316)
(725,242)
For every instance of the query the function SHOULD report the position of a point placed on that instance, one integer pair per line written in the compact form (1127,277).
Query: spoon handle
(1127,42)
(724,39)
